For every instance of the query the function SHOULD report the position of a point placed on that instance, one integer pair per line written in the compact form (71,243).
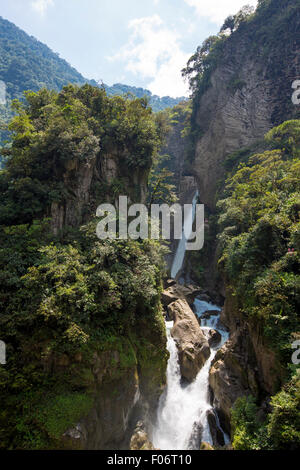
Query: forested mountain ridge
(28,64)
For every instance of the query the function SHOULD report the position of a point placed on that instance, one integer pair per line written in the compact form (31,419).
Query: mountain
(28,64)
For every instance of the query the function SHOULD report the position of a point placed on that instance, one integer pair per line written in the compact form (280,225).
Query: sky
(143,43)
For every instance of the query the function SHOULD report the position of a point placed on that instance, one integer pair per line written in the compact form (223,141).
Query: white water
(182,408)
(180,253)
(182,413)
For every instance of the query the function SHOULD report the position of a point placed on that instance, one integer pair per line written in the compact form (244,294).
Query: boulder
(192,345)
(140,439)
(176,291)
(169,283)
(210,313)
(214,338)
(168,296)
(206,446)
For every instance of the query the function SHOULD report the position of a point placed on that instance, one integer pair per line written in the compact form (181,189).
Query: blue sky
(138,42)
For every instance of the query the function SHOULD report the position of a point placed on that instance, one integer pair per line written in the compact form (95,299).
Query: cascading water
(180,253)
(182,413)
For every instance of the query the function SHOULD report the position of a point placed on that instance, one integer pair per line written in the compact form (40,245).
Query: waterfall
(180,253)
(182,413)
(182,422)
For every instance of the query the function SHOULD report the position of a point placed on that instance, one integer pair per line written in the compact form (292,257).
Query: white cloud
(153,52)
(41,6)
(218,10)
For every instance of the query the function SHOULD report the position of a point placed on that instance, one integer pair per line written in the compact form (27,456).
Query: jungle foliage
(260,244)
(63,299)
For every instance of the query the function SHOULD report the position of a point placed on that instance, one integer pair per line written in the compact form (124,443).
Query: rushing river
(182,413)
(183,407)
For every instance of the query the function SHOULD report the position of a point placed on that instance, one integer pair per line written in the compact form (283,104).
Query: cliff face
(250,92)
(90,183)
(244,366)
(126,381)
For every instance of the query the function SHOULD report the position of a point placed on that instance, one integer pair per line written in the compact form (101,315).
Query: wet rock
(168,296)
(204,297)
(206,446)
(210,313)
(176,291)
(140,439)
(193,347)
(169,283)
(196,436)
(228,380)
(214,338)
(216,433)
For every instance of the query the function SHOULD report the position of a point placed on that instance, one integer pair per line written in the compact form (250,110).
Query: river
(182,422)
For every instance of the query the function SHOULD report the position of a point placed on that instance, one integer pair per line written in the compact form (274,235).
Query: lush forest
(28,64)
(82,318)
(260,244)
(69,296)
(255,227)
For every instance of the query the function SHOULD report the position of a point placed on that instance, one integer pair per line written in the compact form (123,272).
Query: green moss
(62,412)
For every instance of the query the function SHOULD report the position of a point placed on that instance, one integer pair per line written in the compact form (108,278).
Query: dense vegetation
(260,243)
(28,64)
(63,299)
(157,103)
(78,124)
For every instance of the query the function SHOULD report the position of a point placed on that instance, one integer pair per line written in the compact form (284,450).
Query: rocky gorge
(125,344)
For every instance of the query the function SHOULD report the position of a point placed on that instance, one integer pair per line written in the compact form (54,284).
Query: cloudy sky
(138,42)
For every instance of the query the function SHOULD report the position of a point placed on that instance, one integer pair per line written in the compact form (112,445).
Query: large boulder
(214,338)
(206,446)
(174,291)
(192,345)
(140,439)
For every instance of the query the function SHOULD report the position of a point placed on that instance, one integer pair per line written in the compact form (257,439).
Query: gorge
(140,344)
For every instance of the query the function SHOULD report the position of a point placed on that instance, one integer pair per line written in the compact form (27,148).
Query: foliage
(279,430)
(54,130)
(157,103)
(72,296)
(245,426)
(27,64)
(56,302)
(161,187)
(259,241)
(260,237)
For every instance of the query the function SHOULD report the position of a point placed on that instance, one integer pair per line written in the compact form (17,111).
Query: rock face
(140,439)
(126,380)
(192,345)
(196,437)
(176,291)
(249,94)
(216,433)
(77,181)
(214,338)
(82,180)
(245,365)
